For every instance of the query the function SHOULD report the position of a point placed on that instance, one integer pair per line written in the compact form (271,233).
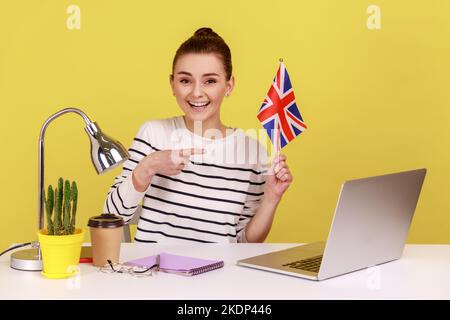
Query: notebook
(177,264)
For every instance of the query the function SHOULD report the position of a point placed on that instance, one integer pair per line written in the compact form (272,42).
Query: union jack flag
(279,114)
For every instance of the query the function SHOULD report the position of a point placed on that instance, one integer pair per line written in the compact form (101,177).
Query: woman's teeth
(198,106)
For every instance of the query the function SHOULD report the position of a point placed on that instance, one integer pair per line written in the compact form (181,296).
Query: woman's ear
(230,86)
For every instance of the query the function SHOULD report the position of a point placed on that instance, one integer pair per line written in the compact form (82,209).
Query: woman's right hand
(166,162)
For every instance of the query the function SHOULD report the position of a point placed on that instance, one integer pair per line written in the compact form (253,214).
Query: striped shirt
(210,201)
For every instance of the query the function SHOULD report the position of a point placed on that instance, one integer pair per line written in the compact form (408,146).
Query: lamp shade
(106,152)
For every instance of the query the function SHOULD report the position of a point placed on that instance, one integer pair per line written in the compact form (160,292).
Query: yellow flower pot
(60,254)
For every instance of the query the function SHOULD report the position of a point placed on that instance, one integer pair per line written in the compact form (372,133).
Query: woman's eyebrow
(205,75)
(184,72)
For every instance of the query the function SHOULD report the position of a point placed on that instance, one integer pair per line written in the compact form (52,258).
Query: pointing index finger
(191,151)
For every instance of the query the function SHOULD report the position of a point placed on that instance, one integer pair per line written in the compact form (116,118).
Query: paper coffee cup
(106,237)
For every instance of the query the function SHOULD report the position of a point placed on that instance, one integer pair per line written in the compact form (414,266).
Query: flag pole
(278,142)
(279,130)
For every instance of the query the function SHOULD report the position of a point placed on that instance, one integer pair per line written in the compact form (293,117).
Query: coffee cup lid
(106,220)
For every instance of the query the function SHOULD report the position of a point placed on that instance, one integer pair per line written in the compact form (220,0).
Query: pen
(157,262)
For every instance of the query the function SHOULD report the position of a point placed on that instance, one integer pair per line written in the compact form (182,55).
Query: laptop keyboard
(310,264)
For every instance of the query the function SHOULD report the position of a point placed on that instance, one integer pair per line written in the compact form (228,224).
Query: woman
(185,169)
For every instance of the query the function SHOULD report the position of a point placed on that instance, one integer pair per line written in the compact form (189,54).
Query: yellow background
(375,101)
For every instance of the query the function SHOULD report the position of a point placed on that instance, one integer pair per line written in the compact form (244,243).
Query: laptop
(370,225)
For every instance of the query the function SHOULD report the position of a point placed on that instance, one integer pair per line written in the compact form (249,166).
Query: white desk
(422,273)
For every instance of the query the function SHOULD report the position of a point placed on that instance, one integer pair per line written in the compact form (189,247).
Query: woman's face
(199,85)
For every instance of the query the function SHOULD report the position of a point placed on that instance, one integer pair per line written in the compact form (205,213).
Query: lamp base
(26,260)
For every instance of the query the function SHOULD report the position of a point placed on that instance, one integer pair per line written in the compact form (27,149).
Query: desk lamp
(106,154)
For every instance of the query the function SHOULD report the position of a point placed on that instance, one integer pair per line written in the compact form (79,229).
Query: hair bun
(205,32)
(206,41)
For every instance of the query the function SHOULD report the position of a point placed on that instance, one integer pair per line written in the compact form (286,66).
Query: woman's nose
(197,90)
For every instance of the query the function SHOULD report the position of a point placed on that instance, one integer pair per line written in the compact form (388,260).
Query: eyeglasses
(136,271)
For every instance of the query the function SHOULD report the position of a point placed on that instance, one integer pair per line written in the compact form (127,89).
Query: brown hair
(205,40)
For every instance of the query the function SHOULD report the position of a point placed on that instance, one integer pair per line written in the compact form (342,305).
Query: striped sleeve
(254,196)
(123,199)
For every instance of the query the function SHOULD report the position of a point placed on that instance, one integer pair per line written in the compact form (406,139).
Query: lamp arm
(41,156)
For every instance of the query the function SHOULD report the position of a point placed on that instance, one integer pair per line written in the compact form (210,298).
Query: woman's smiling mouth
(198,106)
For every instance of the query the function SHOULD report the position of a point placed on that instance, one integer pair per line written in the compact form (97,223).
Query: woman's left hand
(278,180)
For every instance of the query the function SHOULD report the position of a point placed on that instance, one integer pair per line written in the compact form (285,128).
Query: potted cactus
(61,241)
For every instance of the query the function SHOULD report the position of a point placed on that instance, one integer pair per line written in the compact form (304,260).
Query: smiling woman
(185,198)
(199,92)
(201,77)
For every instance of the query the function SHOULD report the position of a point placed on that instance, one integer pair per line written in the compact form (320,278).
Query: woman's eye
(211,81)
(184,80)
